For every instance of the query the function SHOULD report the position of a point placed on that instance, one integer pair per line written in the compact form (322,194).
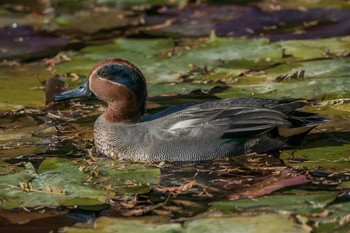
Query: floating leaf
(253,224)
(268,186)
(262,223)
(301,4)
(97,21)
(324,156)
(276,23)
(22,135)
(312,49)
(301,202)
(321,78)
(21,86)
(57,182)
(21,42)
(125,179)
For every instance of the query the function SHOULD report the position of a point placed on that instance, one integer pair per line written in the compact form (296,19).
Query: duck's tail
(303,123)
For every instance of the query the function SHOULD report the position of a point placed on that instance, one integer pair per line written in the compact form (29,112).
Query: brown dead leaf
(130,207)
(186,203)
(59,58)
(176,189)
(269,185)
(163,212)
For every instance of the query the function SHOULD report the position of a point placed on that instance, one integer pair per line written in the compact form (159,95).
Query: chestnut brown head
(115,81)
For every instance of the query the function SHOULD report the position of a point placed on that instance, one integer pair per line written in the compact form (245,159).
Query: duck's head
(117,82)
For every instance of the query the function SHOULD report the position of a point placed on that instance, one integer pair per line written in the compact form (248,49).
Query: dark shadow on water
(44,225)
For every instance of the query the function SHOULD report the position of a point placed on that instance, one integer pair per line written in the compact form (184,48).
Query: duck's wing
(220,119)
(236,118)
(283,105)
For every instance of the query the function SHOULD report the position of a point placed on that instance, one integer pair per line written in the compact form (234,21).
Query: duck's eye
(104,74)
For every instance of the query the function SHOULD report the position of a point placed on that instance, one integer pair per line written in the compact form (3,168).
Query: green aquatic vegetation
(124,179)
(48,162)
(252,224)
(313,49)
(21,86)
(328,157)
(199,64)
(309,4)
(321,78)
(301,202)
(56,182)
(62,182)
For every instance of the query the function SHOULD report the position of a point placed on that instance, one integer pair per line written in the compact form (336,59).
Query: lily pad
(322,78)
(96,22)
(125,179)
(323,156)
(22,135)
(262,223)
(56,182)
(226,20)
(313,49)
(21,42)
(301,202)
(21,86)
(301,4)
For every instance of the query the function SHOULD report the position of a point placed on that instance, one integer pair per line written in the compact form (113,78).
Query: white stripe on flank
(184,124)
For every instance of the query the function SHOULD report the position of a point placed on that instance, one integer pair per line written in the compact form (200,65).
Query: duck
(189,132)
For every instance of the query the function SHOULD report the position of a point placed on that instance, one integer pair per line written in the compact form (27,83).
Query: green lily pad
(337,212)
(105,224)
(336,220)
(324,157)
(301,4)
(251,224)
(96,22)
(125,179)
(300,202)
(23,136)
(322,78)
(312,49)
(6,168)
(56,182)
(261,223)
(21,86)
(62,182)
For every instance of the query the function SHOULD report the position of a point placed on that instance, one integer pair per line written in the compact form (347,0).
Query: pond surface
(51,177)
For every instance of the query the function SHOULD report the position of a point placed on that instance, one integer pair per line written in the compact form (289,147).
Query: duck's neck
(127,112)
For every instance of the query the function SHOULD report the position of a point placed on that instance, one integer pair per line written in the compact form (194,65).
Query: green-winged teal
(191,132)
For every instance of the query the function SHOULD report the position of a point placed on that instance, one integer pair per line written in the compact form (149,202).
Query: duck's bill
(83,91)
